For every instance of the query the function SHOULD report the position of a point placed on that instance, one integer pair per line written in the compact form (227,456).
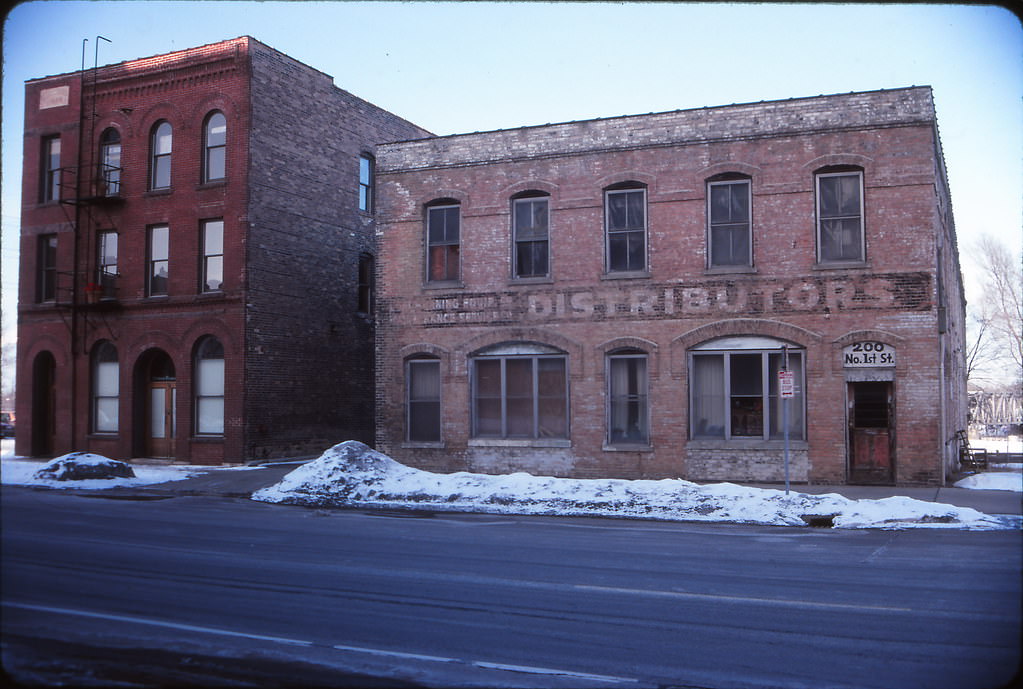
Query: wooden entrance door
(44,405)
(871,432)
(161,419)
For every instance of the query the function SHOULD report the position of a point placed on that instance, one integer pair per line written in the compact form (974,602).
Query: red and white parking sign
(787,384)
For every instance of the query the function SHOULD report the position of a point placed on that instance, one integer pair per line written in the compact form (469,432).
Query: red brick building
(671,295)
(197,258)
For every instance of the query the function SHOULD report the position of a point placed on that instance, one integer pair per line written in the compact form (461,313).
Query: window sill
(520,442)
(446,284)
(411,445)
(731,270)
(158,192)
(627,275)
(743,444)
(841,265)
(207,438)
(545,280)
(212,184)
(625,447)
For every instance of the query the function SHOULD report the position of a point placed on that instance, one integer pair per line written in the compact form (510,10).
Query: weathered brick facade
(297,354)
(876,334)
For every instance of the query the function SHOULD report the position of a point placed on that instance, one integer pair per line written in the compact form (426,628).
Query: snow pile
(353,475)
(998,480)
(20,472)
(78,466)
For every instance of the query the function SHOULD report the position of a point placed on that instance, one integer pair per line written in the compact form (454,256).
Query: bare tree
(995,351)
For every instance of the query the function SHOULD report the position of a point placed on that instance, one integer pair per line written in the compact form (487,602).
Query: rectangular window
(840,217)
(423,400)
(158,261)
(625,214)
(530,217)
(728,213)
(627,400)
(209,398)
(366,184)
(364,302)
(212,256)
(47,268)
(106,400)
(106,263)
(735,395)
(443,241)
(520,397)
(51,169)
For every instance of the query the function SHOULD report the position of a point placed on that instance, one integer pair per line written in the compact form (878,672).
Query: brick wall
(891,297)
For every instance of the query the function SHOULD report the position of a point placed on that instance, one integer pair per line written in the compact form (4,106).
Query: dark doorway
(44,405)
(871,432)
(160,395)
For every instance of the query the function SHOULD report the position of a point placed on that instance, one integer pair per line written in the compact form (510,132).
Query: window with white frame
(443,241)
(840,216)
(531,220)
(625,220)
(733,390)
(209,387)
(212,255)
(160,156)
(158,261)
(214,160)
(627,394)
(520,390)
(105,388)
(728,220)
(422,400)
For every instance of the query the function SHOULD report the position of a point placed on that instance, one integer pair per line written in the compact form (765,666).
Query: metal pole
(785,415)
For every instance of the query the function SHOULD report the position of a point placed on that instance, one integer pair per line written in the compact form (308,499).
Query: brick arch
(854,159)
(456,194)
(162,111)
(46,343)
(529,185)
(214,101)
(729,166)
(210,326)
(622,176)
(155,339)
(538,335)
(738,327)
(651,348)
(115,120)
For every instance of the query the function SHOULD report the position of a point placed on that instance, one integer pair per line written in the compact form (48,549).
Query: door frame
(861,436)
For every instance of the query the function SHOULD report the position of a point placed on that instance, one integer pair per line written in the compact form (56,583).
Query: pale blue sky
(460,67)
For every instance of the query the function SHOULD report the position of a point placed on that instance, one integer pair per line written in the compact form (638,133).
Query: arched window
(105,388)
(160,156)
(209,387)
(110,162)
(628,413)
(422,399)
(531,230)
(734,389)
(443,239)
(520,390)
(214,164)
(625,226)
(729,240)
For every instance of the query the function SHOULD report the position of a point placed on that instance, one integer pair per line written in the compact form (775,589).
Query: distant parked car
(6,425)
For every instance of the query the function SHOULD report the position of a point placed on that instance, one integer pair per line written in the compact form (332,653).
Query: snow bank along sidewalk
(353,475)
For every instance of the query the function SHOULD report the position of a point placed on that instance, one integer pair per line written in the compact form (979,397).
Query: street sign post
(786,390)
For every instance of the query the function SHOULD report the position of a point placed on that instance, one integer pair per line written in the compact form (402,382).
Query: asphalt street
(228,590)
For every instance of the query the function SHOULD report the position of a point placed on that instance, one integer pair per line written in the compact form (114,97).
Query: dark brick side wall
(309,354)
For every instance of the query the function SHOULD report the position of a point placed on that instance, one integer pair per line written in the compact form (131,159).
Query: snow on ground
(20,472)
(351,474)
(994,480)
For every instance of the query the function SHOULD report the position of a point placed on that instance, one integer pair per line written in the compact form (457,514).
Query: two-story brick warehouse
(197,257)
(666,295)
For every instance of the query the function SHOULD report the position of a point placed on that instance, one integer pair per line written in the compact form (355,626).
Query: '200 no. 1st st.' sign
(868,354)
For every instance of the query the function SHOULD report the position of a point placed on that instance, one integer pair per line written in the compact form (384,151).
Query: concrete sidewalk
(242,483)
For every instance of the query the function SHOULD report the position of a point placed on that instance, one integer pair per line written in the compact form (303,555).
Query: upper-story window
(160,154)
(46,289)
(531,220)
(214,161)
(443,237)
(106,263)
(840,216)
(212,255)
(50,183)
(110,163)
(158,262)
(625,220)
(728,223)
(365,296)
(367,171)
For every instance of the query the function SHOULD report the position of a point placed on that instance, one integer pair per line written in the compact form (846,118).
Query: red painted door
(871,446)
